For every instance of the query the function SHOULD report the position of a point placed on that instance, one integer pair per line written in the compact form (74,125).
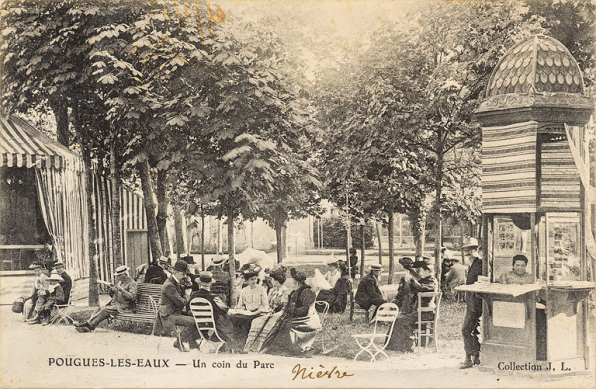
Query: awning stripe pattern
(21,145)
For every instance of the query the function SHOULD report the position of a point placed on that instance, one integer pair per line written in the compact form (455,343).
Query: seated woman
(301,324)
(267,324)
(337,297)
(420,279)
(253,300)
(518,275)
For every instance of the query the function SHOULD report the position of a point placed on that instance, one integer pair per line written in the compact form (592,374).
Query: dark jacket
(337,297)
(300,301)
(369,293)
(66,288)
(473,302)
(156,274)
(172,298)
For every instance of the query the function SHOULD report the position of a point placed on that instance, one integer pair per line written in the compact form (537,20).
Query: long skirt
(262,328)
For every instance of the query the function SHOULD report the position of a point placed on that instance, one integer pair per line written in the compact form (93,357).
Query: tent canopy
(21,145)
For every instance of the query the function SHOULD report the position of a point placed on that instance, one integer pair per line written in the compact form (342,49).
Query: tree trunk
(390,276)
(438,203)
(232,260)
(279,226)
(418,226)
(150,207)
(60,109)
(379,236)
(115,211)
(162,210)
(202,238)
(179,232)
(84,136)
(362,249)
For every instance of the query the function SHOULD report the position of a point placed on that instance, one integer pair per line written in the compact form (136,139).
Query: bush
(334,234)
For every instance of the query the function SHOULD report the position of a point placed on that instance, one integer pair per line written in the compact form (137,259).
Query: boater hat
(205,277)
(471,243)
(58,264)
(376,266)
(219,260)
(121,270)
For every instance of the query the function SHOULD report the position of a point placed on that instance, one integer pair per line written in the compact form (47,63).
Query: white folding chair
(375,343)
(428,328)
(202,312)
(61,311)
(322,317)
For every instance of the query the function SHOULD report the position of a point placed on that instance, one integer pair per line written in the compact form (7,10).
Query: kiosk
(535,202)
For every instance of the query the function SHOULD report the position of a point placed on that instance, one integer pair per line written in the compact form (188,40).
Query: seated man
(124,297)
(223,323)
(56,295)
(420,279)
(175,295)
(38,294)
(518,275)
(368,292)
(66,282)
(456,276)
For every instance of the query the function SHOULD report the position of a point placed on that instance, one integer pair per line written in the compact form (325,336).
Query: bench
(148,299)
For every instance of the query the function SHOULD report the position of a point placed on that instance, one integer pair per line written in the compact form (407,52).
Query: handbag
(17,306)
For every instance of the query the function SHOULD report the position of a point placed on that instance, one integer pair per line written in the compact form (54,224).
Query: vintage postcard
(280,194)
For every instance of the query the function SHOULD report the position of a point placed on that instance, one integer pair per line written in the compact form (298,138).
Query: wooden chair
(61,311)
(202,312)
(428,328)
(386,314)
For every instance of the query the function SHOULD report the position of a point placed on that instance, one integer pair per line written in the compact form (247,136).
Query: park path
(30,357)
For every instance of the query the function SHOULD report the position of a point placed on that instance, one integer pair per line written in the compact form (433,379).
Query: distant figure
(333,274)
(155,274)
(518,275)
(66,282)
(368,292)
(222,284)
(353,263)
(455,277)
(337,297)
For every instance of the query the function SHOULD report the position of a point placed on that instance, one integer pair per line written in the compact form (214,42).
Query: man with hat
(470,330)
(155,273)
(223,323)
(368,292)
(56,295)
(174,297)
(124,297)
(456,276)
(66,282)
(222,282)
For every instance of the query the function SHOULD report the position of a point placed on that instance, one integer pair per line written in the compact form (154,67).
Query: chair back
(202,312)
(387,313)
(323,314)
(433,304)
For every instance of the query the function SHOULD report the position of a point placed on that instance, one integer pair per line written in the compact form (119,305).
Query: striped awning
(21,145)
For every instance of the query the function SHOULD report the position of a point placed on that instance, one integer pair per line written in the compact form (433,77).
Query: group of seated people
(273,317)
(51,287)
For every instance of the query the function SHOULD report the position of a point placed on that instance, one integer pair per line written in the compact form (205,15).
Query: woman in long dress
(337,297)
(267,324)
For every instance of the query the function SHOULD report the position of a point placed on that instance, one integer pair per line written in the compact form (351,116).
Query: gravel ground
(36,356)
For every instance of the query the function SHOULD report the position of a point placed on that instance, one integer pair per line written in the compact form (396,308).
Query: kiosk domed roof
(540,62)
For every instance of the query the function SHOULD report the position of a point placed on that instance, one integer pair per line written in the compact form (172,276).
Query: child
(56,294)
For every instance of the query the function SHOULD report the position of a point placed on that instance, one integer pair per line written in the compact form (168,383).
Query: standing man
(174,298)
(124,298)
(368,292)
(222,282)
(469,329)
(66,282)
